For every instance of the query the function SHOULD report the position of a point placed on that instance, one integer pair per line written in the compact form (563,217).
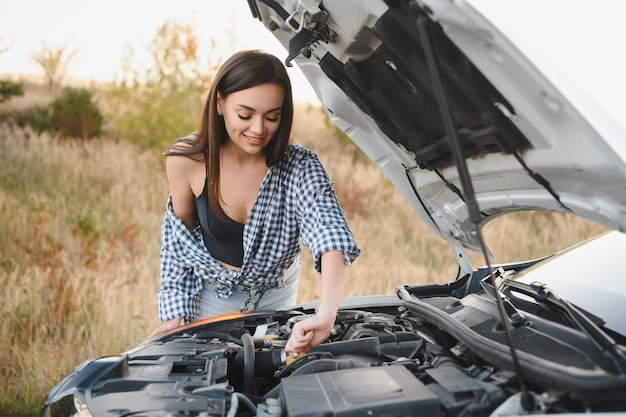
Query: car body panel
(529,147)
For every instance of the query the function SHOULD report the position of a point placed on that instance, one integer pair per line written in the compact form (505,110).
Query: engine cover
(359,392)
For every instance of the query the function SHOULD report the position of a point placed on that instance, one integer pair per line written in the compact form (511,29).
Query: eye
(242,117)
(273,117)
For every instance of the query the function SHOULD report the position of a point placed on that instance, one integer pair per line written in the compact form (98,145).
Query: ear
(219,102)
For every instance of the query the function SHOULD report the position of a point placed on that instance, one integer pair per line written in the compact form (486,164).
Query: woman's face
(252,116)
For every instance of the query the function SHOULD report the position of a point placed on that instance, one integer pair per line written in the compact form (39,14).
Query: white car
(469,126)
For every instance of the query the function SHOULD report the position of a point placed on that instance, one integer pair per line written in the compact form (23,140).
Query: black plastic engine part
(359,392)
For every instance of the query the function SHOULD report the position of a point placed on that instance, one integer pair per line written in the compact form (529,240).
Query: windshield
(591,276)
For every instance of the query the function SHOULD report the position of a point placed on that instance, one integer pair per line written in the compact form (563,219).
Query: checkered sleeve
(180,293)
(180,290)
(323,224)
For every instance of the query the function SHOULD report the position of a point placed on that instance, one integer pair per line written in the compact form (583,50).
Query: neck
(233,155)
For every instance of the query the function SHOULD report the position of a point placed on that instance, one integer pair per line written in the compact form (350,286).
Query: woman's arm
(179,171)
(314,330)
(324,231)
(180,288)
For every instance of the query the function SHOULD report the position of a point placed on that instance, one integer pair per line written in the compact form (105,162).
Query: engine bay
(380,361)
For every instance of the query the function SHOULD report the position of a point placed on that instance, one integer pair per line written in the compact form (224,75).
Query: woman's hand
(309,333)
(167,325)
(314,330)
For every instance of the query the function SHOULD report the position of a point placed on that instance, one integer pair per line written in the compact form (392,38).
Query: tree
(152,106)
(55,62)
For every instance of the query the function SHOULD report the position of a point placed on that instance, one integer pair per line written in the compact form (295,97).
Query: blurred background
(100,35)
(90,95)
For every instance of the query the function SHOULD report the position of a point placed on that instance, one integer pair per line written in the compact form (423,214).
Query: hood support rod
(441,94)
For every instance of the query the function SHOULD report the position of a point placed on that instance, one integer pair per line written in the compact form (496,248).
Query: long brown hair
(243,70)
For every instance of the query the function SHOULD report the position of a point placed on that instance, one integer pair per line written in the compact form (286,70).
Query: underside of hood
(529,141)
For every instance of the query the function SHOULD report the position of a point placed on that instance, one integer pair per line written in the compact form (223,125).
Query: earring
(219,113)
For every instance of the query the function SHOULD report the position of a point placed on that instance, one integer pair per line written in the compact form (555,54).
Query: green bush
(73,114)
(9,89)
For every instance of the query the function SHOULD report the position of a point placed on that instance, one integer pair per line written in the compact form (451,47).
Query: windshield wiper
(540,292)
(515,317)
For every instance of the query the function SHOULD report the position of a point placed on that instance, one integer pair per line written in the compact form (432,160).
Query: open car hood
(532,139)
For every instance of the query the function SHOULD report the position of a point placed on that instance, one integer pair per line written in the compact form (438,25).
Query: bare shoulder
(183,152)
(178,164)
(184,145)
(185,174)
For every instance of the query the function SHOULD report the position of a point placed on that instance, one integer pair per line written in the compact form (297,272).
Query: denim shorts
(279,295)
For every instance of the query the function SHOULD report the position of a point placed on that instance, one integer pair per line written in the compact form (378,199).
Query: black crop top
(223,239)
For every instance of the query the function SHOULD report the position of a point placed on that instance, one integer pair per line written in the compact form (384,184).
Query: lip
(254,140)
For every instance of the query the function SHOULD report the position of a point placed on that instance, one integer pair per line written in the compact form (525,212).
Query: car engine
(380,361)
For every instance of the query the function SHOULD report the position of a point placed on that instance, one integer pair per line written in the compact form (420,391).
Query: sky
(101,31)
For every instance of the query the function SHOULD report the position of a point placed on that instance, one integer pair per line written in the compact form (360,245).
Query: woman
(242,201)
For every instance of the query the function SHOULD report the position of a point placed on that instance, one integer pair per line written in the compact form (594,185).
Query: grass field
(79,245)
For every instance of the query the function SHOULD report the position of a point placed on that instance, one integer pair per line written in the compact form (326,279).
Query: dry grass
(79,243)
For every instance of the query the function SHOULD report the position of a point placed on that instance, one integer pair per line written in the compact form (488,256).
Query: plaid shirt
(296,205)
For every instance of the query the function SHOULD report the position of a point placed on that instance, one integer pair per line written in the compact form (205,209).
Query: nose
(257,125)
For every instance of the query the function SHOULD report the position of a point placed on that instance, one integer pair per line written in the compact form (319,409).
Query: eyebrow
(252,109)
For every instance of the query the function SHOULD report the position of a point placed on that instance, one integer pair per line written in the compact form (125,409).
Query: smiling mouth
(253,139)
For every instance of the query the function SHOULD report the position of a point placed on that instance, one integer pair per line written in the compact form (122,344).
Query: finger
(298,342)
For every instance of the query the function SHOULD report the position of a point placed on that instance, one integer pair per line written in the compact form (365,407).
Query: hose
(248,363)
